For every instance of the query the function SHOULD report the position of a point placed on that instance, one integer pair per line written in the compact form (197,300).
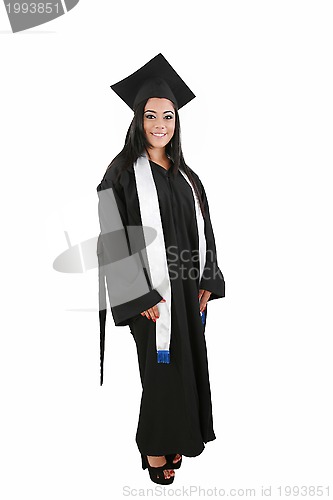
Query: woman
(158,256)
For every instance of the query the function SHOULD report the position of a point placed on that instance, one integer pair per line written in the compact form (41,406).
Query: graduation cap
(156,78)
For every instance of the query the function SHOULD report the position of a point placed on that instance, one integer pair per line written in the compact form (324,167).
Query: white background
(259,135)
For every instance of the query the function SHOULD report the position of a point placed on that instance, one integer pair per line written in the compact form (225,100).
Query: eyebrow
(152,111)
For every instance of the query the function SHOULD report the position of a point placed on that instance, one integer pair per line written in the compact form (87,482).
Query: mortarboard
(156,78)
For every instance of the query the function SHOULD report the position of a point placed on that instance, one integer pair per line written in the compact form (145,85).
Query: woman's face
(159,121)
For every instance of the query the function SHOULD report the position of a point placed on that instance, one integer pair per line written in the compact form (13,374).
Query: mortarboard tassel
(102,309)
(102,320)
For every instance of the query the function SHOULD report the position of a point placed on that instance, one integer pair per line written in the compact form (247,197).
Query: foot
(177,458)
(159,462)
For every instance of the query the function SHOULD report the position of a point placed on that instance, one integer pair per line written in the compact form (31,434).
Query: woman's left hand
(203,296)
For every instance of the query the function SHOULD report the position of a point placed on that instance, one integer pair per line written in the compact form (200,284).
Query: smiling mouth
(158,135)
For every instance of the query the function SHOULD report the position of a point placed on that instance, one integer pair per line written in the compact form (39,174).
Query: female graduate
(157,255)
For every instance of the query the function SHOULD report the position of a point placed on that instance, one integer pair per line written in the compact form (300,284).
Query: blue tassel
(163,356)
(203,317)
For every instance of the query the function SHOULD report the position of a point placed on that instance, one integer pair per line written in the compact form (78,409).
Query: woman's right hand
(152,312)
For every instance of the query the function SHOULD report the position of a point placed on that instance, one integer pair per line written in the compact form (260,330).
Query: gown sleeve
(212,278)
(122,271)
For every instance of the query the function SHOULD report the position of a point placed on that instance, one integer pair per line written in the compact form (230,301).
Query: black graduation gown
(176,409)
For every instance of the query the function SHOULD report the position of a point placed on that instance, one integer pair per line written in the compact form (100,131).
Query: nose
(159,123)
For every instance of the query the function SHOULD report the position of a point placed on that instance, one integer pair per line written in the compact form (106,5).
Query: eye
(168,117)
(150,116)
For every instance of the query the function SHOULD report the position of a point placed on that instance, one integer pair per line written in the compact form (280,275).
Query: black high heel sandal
(170,458)
(157,473)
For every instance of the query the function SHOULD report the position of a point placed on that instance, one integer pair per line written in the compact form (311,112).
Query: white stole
(156,251)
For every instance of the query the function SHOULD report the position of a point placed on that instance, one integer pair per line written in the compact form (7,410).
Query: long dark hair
(136,143)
